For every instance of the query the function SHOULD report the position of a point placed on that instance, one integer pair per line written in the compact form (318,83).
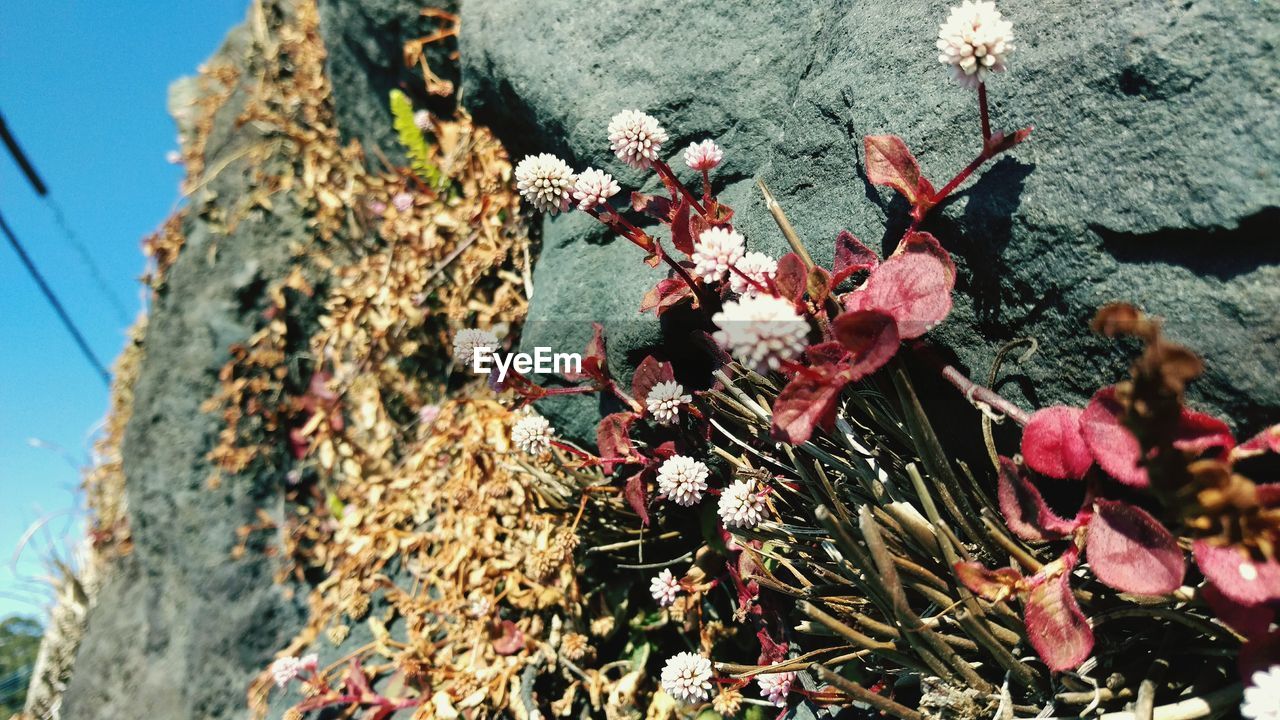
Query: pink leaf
(655,206)
(1115,449)
(889,162)
(1198,433)
(914,288)
(1239,576)
(681,236)
(511,641)
(999,141)
(1052,444)
(667,294)
(791,277)
(851,257)
(649,372)
(825,354)
(637,495)
(612,437)
(994,585)
(1056,627)
(806,401)
(927,244)
(1248,620)
(1266,441)
(1025,511)
(1132,552)
(871,336)
(594,364)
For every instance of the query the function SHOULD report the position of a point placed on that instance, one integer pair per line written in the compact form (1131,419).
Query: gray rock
(180,626)
(1151,175)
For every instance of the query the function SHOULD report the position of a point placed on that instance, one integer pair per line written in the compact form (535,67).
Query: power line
(37,184)
(54,302)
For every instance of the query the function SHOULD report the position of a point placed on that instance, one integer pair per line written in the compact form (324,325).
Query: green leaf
(415,144)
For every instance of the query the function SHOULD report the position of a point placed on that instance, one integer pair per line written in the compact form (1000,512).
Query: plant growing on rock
(838,507)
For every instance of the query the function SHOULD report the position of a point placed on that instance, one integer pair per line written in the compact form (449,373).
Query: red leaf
(993,585)
(791,277)
(1114,448)
(914,288)
(1024,509)
(511,641)
(649,372)
(851,257)
(667,294)
(926,243)
(819,284)
(1249,620)
(1132,552)
(870,335)
(802,404)
(594,363)
(825,354)
(637,495)
(1237,575)
(356,681)
(655,206)
(1199,433)
(1055,626)
(1266,441)
(680,231)
(613,438)
(999,142)
(889,162)
(1052,444)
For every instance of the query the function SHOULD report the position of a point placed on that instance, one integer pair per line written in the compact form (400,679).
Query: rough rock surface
(180,626)
(1151,176)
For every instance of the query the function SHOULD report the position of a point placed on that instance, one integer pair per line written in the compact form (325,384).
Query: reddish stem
(569,390)
(975,392)
(986,116)
(959,178)
(706,186)
(620,225)
(665,173)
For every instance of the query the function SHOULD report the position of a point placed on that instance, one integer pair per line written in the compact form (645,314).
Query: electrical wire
(53,301)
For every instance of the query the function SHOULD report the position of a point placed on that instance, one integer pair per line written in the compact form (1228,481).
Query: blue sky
(83,88)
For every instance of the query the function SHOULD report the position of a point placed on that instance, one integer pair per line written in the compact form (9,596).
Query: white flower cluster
(664,401)
(636,138)
(665,587)
(761,331)
(740,505)
(466,342)
(703,156)
(755,265)
(683,480)
(975,41)
(533,434)
(715,251)
(776,687)
(1262,697)
(546,181)
(594,187)
(687,678)
(287,668)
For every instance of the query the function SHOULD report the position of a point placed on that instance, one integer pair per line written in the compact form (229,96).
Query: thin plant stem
(982,110)
(664,171)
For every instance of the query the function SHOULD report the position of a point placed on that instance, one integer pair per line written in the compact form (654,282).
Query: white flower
(173,157)
(683,480)
(703,155)
(715,251)
(776,687)
(533,434)
(687,678)
(755,265)
(664,588)
(594,187)
(975,41)
(664,401)
(466,342)
(545,181)
(422,119)
(308,662)
(402,202)
(479,607)
(284,669)
(740,505)
(761,331)
(636,138)
(1262,697)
